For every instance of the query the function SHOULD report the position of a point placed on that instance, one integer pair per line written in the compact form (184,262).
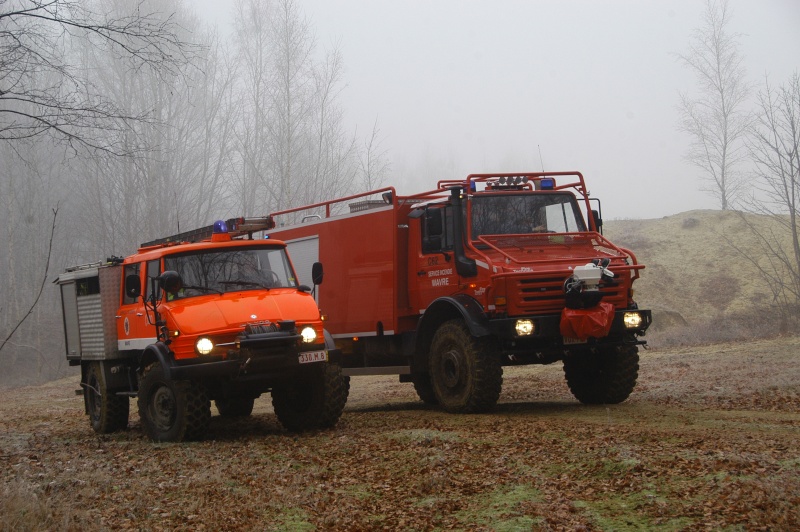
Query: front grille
(261,328)
(540,294)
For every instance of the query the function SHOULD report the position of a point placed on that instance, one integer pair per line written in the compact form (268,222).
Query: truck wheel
(236,406)
(172,410)
(314,399)
(465,374)
(606,376)
(424,388)
(107,412)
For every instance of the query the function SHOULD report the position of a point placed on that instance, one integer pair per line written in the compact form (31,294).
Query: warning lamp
(548,183)
(220,232)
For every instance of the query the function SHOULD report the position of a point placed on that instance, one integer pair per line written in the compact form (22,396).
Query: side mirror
(316,273)
(598,222)
(133,286)
(170,282)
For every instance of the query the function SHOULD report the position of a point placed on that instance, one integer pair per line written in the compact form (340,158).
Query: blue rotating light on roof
(548,183)
(220,227)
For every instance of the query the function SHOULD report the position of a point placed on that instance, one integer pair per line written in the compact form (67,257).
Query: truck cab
(516,246)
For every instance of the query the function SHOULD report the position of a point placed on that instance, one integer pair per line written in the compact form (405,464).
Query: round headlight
(524,327)
(204,346)
(308,334)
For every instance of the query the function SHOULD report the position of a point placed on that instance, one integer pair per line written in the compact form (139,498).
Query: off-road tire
(107,412)
(172,411)
(313,399)
(235,406)
(466,374)
(603,375)
(424,388)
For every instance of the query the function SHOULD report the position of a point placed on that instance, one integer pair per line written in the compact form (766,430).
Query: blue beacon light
(548,183)
(220,226)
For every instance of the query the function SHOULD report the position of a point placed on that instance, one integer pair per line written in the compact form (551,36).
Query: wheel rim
(162,408)
(451,368)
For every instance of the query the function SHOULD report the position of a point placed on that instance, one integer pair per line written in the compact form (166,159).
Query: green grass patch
(424,436)
(500,510)
(292,519)
(631,512)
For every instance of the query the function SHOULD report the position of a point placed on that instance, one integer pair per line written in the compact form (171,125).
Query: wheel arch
(157,352)
(444,309)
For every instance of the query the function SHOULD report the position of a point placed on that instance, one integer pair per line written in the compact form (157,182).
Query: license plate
(568,340)
(312,356)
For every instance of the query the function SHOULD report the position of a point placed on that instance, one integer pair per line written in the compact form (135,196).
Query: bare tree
(31,175)
(774,145)
(373,164)
(716,118)
(45,90)
(292,145)
(177,180)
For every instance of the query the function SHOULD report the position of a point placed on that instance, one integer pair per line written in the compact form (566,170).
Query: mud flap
(587,323)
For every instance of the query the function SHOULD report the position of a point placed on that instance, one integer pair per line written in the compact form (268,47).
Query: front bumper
(254,357)
(547,333)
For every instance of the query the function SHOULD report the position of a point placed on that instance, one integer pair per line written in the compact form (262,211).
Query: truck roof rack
(237,228)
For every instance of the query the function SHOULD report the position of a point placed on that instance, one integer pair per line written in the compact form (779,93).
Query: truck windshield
(231,270)
(517,214)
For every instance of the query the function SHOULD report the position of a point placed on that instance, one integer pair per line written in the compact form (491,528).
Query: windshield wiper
(203,288)
(245,283)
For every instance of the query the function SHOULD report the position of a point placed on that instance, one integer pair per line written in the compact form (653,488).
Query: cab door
(133,329)
(433,261)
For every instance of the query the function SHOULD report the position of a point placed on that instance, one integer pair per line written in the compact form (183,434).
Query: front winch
(582,288)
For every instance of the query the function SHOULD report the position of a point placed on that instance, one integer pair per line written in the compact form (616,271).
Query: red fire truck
(209,314)
(446,287)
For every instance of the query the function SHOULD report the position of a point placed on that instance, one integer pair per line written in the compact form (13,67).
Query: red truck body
(492,256)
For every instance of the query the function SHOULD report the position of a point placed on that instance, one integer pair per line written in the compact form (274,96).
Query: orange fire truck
(446,287)
(200,316)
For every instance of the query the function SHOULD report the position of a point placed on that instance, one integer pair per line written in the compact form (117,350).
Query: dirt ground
(709,440)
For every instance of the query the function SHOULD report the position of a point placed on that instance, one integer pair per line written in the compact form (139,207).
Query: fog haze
(467,87)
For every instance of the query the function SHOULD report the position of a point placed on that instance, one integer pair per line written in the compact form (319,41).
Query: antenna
(540,157)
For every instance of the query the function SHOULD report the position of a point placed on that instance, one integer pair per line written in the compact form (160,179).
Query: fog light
(204,346)
(524,327)
(308,334)
(632,320)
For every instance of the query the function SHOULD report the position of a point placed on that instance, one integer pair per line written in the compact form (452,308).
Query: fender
(448,308)
(157,352)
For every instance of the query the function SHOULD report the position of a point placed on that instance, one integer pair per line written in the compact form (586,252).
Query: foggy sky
(461,87)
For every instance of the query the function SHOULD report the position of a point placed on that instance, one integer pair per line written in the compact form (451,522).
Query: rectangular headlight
(525,327)
(632,320)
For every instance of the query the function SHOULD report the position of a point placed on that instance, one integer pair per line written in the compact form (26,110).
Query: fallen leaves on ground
(707,441)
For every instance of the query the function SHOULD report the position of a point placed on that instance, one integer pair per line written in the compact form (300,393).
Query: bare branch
(41,287)
(46,90)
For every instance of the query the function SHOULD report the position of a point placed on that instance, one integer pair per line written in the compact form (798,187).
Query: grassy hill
(700,287)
